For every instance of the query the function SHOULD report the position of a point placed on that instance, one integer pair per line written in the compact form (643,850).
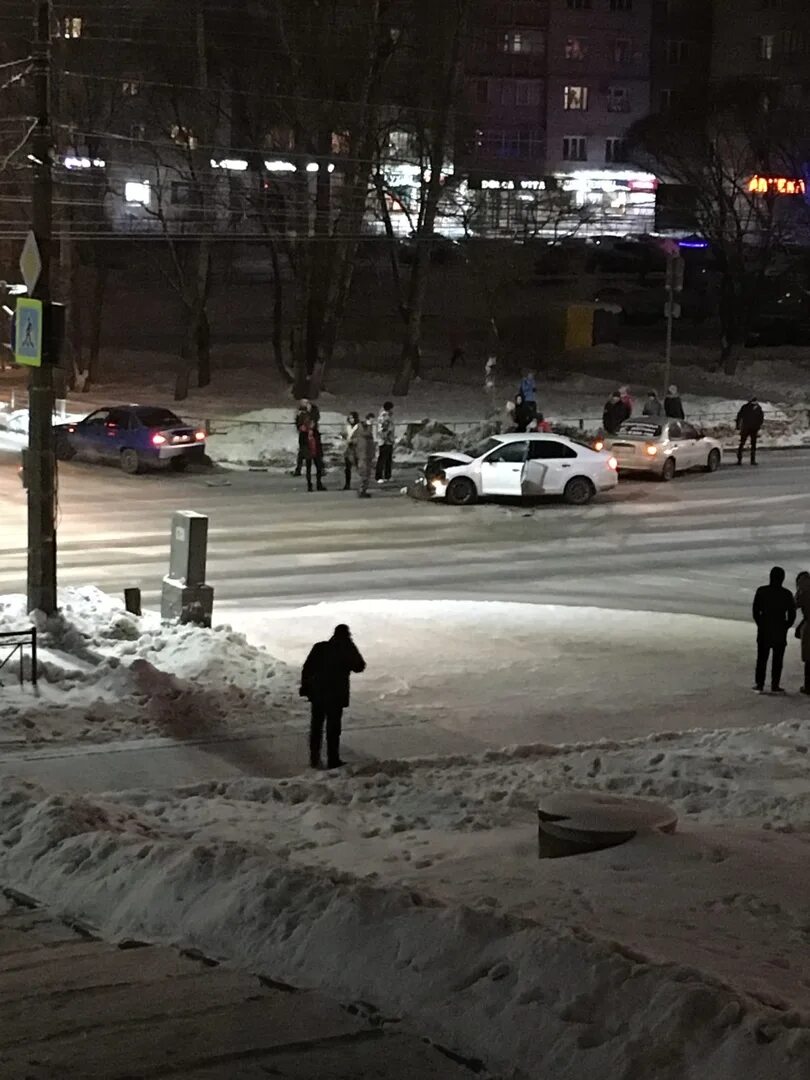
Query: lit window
(764,46)
(677,51)
(618,99)
(621,5)
(622,51)
(72,26)
(576,48)
(615,151)
(137,191)
(575,148)
(130,88)
(575,98)
(523,41)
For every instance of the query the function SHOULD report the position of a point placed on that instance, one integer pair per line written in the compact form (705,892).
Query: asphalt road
(697,545)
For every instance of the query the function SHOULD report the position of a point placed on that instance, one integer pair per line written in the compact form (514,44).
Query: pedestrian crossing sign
(28,332)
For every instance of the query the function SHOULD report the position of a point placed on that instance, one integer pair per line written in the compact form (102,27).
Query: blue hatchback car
(134,436)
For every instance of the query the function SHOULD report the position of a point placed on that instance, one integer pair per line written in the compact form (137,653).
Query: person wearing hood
(774,613)
(386,435)
(614,414)
(350,430)
(325,682)
(803,629)
(673,406)
(652,406)
(750,419)
(522,413)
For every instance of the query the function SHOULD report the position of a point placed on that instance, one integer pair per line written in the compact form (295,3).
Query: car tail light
(199,436)
(652,450)
(71,430)
(158,440)
(599,445)
(613,463)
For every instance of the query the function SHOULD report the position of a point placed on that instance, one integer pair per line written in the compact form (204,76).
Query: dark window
(511,452)
(615,151)
(96,419)
(621,5)
(677,50)
(119,418)
(482,91)
(688,432)
(675,430)
(156,417)
(575,148)
(184,193)
(622,51)
(578,5)
(549,450)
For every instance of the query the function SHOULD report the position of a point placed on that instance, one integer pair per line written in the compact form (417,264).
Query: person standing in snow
(325,682)
(673,406)
(803,629)
(366,452)
(614,414)
(313,453)
(385,437)
(750,419)
(652,406)
(522,414)
(774,613)
(350,447)
(627,400)
(528,391)
(307,410)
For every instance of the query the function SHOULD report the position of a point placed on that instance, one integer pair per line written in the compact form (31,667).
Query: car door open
(502,470)
(549,467)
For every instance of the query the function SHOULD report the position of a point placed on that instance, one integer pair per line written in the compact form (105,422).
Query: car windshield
(157,417)
(483,447)
(639,429)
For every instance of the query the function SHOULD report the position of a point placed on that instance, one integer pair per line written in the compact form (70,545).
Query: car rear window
(635,429)
(157,417)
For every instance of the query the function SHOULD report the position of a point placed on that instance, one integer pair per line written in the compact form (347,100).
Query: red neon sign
(776,185)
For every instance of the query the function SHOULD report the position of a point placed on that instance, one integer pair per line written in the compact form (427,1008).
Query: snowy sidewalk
(79,1009)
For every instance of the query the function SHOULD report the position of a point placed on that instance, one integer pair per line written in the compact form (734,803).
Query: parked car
(521,465)
(661,447)
(135,436)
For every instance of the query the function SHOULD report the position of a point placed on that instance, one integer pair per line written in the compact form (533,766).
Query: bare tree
(714,147)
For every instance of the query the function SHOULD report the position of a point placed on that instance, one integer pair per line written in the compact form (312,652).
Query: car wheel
(130,462)
(713,464)
(669,470)
(579,491)
(64,451)
(461,492)
(178,464)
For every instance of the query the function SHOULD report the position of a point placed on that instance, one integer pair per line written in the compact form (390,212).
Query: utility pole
(41,456)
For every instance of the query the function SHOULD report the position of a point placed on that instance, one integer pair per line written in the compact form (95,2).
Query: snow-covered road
(698,545)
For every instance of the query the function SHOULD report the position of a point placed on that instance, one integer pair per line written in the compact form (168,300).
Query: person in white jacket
(350,447)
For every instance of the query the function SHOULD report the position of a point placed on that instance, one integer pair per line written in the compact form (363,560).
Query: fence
(13,643)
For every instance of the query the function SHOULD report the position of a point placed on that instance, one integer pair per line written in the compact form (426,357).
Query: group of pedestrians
(522,411)
(367,447)
(620,406)
(775,609)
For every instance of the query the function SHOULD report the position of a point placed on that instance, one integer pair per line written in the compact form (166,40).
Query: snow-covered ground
(415,884)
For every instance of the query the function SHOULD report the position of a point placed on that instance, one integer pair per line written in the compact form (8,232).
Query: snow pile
(531,993)
(268,437)
(16,420)
(106,674)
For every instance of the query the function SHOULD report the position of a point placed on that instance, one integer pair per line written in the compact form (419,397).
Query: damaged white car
(521,466)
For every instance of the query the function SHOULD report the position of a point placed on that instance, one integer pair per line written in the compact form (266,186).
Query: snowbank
(268,437)
(520,993)
(105,674)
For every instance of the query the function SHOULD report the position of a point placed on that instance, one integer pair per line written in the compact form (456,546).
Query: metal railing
(14,643)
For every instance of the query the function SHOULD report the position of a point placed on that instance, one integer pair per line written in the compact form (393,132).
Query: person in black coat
(523,413)
(774,613)
(750,419)
(325,681)
(673,406)
(615,413)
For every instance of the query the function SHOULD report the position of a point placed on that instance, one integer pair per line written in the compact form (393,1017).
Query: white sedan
(520,465)
(662,447)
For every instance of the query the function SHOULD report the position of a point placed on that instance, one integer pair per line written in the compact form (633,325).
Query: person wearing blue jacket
(528,391)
